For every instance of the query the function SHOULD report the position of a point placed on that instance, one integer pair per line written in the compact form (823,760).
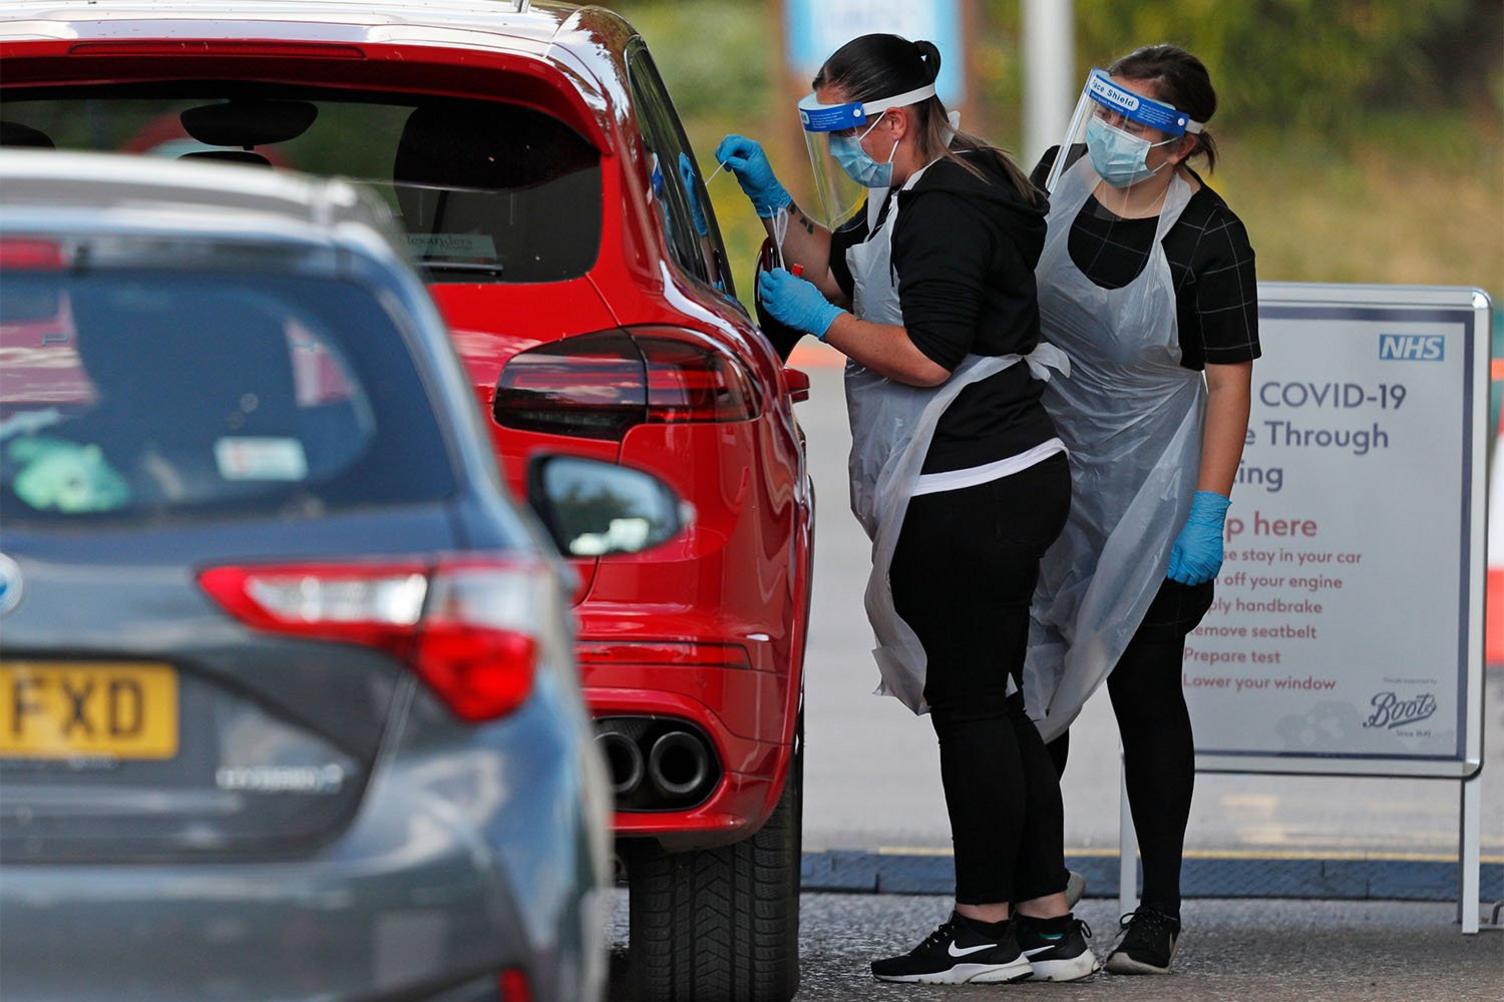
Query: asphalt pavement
(1247,951)
(872,767)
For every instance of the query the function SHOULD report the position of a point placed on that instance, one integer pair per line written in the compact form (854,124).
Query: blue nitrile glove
(744,158)
(1197,555)
(796,302)
(696,211)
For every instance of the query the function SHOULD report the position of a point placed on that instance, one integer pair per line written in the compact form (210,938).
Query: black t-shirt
(1211,263)
(964,251)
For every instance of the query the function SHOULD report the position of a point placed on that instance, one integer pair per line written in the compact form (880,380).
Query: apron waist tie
(1046,360)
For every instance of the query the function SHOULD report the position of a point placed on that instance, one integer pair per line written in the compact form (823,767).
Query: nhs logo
(1412,347)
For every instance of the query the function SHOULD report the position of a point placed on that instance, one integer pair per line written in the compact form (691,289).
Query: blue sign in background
(816,28)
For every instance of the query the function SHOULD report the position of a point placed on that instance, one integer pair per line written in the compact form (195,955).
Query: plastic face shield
(1122,120)
(840,195)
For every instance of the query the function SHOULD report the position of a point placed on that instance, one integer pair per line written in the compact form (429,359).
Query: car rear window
(144,394)
(486,191)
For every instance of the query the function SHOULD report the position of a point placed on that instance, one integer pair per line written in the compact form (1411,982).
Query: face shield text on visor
(844,172)
(1118,128)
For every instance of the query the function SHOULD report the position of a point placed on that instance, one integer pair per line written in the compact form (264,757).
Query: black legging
(963,575)
(1159,755)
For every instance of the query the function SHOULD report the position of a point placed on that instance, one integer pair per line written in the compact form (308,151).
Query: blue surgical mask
(858,166)
(1119,158)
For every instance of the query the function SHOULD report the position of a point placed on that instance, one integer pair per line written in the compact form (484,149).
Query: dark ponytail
(929,52)
(876,66)
(1181,79)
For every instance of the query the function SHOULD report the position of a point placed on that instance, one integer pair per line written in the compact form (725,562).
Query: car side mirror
(798,381)
(597,509)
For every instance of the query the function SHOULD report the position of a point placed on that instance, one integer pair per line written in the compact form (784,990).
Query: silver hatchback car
(288,708)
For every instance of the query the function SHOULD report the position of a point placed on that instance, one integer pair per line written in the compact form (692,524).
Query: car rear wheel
(720,924)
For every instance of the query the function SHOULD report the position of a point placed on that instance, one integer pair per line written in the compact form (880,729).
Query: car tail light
(467,628)
(593,386)
(600,385)
(32,255)
(512,985)
(690,381)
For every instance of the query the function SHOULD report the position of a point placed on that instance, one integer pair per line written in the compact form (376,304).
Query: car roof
(101,192)
(592,37)
(104,179)
(489,22)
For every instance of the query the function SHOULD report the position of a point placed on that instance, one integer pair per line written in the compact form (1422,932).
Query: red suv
(534,158)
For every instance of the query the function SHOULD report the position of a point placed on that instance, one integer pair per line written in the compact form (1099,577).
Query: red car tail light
(466,628)
(592,386)
(600,385)
(690,381)
(512,985)
(33,255)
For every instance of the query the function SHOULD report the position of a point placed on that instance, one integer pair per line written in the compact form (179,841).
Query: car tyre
(720,924)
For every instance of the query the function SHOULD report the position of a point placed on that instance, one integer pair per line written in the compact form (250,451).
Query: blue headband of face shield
(817,117)
(1137,108)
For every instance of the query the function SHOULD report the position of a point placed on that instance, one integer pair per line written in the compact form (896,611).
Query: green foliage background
(1310,64)
(1362,140)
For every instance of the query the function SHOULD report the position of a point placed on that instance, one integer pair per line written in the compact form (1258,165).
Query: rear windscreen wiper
(465,266)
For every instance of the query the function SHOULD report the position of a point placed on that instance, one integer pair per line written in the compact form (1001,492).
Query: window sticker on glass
(51,474)
(452,245)
(261,459)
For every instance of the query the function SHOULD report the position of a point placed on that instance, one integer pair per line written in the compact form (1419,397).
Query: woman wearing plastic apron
(956,471)
(1147,283)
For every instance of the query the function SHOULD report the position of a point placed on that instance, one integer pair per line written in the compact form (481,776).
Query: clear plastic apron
(892,425)
(1131,417)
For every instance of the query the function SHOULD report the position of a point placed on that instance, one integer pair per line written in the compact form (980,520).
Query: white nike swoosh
(970,949)
(1037,949)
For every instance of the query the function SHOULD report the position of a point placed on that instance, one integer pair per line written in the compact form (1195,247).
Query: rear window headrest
(477,144)
(16,134)
(229,156)
(248,122)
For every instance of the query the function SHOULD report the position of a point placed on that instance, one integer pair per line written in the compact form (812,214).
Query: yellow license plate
(57,710)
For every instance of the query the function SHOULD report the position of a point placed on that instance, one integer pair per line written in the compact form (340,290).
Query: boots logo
(1389,710)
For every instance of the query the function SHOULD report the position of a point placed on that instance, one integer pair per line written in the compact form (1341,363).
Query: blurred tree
(1306,63)
(1330,108)
(716,56)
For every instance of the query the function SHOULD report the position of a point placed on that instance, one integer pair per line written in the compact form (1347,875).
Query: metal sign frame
(1472,309)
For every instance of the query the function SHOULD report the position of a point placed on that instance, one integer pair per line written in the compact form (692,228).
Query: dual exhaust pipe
(676,765)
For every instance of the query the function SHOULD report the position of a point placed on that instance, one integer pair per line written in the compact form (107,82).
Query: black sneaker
(1057,948)
(1149,944)
(960,952)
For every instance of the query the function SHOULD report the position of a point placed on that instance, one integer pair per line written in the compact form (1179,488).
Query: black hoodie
(964,251)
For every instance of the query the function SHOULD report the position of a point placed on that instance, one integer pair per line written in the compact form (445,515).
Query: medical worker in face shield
(919,266)
(1147,282)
